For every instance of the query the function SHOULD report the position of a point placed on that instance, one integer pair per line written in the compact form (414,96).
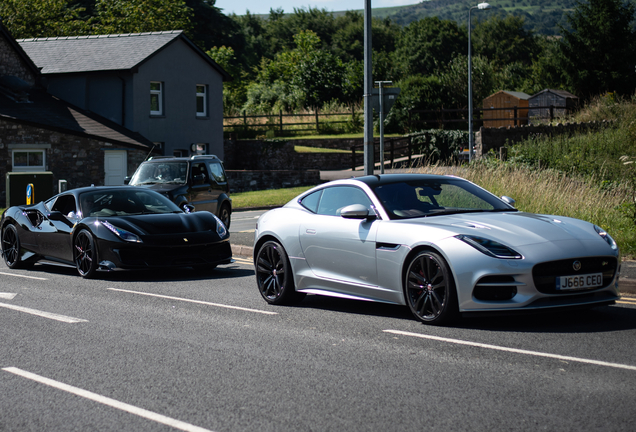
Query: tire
(274,276)
(225,215)
(429,289)
(11,247)
(85,254)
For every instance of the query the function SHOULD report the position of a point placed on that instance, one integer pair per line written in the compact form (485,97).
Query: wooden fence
(276,121)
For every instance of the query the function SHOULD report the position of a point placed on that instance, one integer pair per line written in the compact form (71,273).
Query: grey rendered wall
(180,68)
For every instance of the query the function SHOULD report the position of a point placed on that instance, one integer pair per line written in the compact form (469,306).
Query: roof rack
(160,157)
(204,156)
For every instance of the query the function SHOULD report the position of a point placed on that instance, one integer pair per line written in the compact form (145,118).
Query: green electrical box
(18,183)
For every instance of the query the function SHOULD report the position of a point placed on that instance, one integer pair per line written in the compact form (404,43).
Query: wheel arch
(414,252)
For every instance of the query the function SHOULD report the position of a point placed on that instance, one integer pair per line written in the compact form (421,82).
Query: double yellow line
(627,300)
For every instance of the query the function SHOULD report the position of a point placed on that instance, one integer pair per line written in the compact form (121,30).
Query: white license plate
(579,282)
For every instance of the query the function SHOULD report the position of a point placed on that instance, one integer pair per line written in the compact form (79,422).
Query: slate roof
(563,93)
(48,112)
(94,53)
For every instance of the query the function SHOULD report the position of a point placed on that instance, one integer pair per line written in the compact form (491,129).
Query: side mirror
(188,208)
(56,216)
(127,180)
(356,211)
(508,200)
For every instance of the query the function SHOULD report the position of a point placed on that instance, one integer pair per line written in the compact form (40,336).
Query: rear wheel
(274,276)
(11,247)
(430,289)
(85,252)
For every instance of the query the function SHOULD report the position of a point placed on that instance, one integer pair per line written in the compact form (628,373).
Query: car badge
(604,263)
(185,239)
(576,265)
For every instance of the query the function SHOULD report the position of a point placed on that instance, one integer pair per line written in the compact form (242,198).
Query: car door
(337,248)
(218,183)
(201,195)
(54,239)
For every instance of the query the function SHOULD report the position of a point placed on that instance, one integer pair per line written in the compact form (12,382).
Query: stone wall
(495,138)
(253,180)
(76,159)
(12,64)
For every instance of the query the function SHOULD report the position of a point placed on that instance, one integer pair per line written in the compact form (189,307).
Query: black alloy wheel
(11,247)
(85,252)
(430,289)
(273,275)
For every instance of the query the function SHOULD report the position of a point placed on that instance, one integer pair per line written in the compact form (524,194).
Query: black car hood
(169,223)
(163,188)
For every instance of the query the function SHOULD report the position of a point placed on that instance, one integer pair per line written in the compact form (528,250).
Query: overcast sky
(263,6)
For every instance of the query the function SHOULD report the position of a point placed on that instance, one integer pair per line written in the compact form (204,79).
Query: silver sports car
(439,244)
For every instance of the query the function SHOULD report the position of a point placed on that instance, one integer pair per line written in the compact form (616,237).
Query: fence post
(551,113)
(353,158)
(244,119)
(515,115)
(317,128)
(392,153)
(281,122)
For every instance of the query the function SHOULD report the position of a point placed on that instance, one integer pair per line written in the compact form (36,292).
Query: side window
(156,98)
(217,172)
(334,199)
(65,204)
(199,169)
(310,202)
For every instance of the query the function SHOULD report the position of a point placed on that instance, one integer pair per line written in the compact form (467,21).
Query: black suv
(197,181)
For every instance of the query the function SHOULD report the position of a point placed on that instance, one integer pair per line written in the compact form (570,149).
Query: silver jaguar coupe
(441,245)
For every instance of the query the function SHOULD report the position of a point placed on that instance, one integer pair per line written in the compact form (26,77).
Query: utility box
(17,183)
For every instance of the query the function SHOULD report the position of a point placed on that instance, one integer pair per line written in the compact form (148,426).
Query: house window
(156,98)
(199,149)
(28,160)
(202,100)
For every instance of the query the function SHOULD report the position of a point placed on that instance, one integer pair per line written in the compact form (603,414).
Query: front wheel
(85,252)
(430,289)
(273,275)
(11,247)
(225,215)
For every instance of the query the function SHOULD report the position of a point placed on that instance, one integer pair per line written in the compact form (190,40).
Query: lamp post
(480,6)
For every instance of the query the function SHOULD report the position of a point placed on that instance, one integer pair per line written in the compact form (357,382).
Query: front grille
(175,256)
(545,274)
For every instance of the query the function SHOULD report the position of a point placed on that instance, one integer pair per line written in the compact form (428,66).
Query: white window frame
(28,148)
(204,96)
(159,95)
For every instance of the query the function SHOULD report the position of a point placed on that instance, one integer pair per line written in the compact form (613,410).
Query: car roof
(160,159)
(382,179)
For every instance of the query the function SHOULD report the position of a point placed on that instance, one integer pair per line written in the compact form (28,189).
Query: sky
(258,7)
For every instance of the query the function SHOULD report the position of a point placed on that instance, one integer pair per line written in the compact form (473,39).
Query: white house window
(156,98)
(28,160)
(202,100)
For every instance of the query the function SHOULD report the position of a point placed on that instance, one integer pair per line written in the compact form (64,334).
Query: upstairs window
(202,100)
(156,98)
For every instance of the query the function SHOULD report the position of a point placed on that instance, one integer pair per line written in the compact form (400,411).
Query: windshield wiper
(145,183)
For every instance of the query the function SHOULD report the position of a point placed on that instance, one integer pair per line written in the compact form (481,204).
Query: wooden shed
(501,107)
(563,103)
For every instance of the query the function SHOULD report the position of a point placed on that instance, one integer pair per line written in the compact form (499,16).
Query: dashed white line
(43,314)
(513,350)
(177,424)
(196,301)
(7,296)
(22,276)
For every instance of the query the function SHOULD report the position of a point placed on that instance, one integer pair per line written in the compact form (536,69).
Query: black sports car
(107,228)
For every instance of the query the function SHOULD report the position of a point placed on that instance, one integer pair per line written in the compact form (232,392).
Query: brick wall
(78,160)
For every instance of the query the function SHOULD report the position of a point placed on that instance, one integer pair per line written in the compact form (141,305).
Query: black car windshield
(160,172)
(125,202)
(431,197)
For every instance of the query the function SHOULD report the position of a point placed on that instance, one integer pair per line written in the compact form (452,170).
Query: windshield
(419,198)
(120,202)
(163,172)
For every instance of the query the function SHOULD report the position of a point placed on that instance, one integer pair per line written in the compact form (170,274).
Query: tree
(42,18)
(599,53)
(138,16)
(504,41)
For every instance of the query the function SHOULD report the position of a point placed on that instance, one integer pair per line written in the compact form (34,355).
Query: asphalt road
(150,351)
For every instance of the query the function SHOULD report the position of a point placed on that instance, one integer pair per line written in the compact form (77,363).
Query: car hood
(515,229)
(170,223)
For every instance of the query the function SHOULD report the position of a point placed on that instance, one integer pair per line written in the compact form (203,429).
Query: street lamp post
(480,6)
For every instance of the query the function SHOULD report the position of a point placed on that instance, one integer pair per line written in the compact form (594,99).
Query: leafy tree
(504,40)
(417,93)
(209,27)
(234,91)
(42,18)
(320,75)
(137,16)
(599,53)
(429,44)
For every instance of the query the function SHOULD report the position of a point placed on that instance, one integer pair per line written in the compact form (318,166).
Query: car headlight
(490,247)
(122,233)
(605,236)
(220,227)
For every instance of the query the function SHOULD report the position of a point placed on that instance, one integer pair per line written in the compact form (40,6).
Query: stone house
(42,133)
(158,84)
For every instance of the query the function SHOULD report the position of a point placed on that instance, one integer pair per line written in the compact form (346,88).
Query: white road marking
(196,301)
(513,350)
(7,296)
(48,315)
(22,276)
(177,424)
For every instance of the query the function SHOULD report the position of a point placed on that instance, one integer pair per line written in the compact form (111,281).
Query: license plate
(579,282)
